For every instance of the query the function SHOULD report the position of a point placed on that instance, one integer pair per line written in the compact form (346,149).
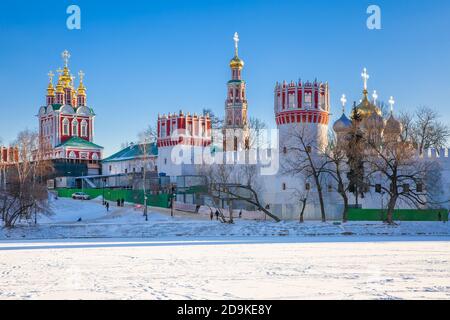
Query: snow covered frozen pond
(117,255)
(260,268)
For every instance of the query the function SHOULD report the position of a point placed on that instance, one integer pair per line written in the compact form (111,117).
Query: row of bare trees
(359,164)
(23,195)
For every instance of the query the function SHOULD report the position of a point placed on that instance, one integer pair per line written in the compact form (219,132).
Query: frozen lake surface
(259,268)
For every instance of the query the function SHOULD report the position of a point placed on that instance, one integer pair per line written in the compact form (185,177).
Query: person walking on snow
(217,214)
(107,206)
(211,215)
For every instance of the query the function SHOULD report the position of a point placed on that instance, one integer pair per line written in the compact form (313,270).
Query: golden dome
(50,90)
(367,108)
(81,88)
(236,62)
(65,78)
(59,87)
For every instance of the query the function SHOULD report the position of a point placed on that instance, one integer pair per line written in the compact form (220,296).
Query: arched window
(75,127)
(95,157)
(72,155)
(65,128)
(84,132)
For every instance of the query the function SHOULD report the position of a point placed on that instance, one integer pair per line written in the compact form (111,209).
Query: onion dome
(59,86)
(393,126)
(342,125)
(374,120)
(367,108)
(236,62)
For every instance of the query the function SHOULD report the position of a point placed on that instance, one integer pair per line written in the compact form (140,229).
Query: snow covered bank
(125,222)
(155,228)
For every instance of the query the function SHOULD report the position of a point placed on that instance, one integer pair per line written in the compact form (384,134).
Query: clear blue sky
(145,57)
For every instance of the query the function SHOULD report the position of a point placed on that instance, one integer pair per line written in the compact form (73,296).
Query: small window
(126,170)
(165,161)
(74,127)
(378,188)
(308,149)
(65,127)
(110,168)
(84,128)
(419,187)
(283,186)
(307,186)
(284,150)
(330,188)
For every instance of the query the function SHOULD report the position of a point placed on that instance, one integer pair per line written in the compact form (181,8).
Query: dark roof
(134,151)
(78,142)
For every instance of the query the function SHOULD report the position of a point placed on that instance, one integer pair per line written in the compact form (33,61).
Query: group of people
(217,213)
(120,203)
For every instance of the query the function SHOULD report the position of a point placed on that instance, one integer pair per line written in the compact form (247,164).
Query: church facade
(66,125)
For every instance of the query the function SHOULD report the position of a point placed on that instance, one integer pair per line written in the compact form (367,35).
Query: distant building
(132,159)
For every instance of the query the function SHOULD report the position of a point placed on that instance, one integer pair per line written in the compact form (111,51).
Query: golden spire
(81,88)
(50,88)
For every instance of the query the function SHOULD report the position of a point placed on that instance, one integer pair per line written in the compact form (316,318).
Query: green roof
(134,151)
(77,142)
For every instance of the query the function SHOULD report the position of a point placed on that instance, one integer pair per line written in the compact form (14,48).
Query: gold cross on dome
(236,41)
(81,75)
(391,102)
(66,55)
(365,77)
(343,101)
(375,96)
(51,75)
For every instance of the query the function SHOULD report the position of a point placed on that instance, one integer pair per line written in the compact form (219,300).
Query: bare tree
(428,131)
(216,122)
(146,139)
(304,157)
(228,183)
(256,133)
(337,169)
(26,192)
(396,169)
(302,197)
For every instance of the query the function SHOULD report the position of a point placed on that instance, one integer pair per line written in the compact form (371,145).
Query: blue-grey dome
(343,124)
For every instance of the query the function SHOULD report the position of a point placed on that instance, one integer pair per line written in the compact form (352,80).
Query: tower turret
(236,123)
(305,105)
(50,99)
(81,91)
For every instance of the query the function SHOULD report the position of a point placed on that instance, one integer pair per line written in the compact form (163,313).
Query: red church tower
(66,125)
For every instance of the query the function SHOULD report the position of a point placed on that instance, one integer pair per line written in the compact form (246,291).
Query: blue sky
(145,57)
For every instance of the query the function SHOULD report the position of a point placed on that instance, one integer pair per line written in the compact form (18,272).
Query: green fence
(399,215)
(133,196)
